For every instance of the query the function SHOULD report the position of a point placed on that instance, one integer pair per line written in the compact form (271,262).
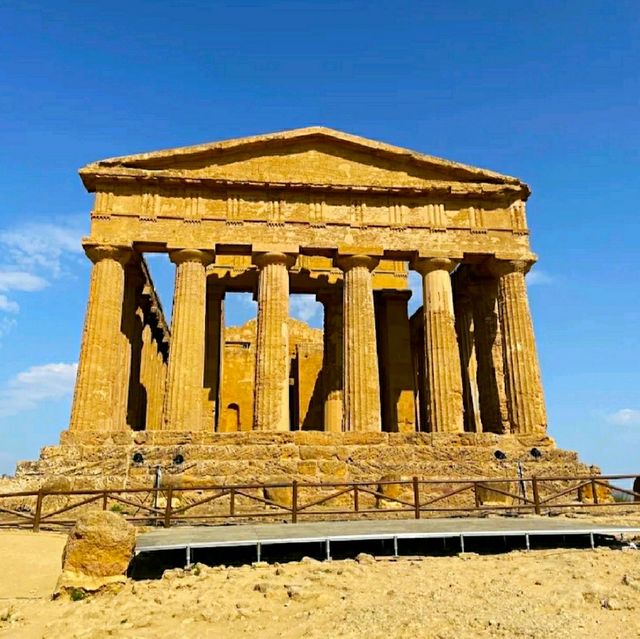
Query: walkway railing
(293,501)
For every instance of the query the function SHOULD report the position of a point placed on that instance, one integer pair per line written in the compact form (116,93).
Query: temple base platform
(127,459)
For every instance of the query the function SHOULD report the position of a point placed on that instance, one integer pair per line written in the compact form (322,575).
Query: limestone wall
(90,459)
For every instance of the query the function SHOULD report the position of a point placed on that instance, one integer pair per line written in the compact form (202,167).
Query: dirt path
(559,593)
(29,563)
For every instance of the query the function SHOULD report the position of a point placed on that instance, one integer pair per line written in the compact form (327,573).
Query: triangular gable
(313,155)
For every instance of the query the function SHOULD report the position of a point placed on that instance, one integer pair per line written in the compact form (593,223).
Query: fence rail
(295,500)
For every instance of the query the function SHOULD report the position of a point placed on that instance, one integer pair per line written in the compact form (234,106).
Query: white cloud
(538,277)
(36,385)
(304,306)
(42,246)
(7,305)
(31,255)
(625,417)
(20,281)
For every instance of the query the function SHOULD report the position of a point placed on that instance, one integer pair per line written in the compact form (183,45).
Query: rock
(364,558)
(294,592)
(611,604)
(631,581)
(97,554)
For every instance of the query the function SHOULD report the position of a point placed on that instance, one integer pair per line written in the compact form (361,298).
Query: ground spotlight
(178,459)
(138,458)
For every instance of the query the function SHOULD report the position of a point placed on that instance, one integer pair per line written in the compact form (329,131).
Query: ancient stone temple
(320,212)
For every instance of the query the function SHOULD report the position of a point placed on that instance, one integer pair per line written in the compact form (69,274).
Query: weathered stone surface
(98,551)
(376,394)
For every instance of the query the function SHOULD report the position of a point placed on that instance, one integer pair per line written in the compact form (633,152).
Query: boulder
(97,554)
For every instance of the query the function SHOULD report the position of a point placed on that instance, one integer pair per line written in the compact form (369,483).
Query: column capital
(426,265)
(98,252)
(263,259)
(180,256)
(395,294)
(498,268)
(347,262)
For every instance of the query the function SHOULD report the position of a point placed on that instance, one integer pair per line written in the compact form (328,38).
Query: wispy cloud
(304,307)
(31,256)
(625,417)
(35,385)
(7,305)
(20,281)
(538,277)
(42,246)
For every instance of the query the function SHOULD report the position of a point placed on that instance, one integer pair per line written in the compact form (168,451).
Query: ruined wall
(238,376)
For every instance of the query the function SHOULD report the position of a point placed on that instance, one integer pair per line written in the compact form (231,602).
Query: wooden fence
(294,501)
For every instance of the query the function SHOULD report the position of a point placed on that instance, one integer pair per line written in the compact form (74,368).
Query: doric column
(525,396)
(442,360)
(96,403)
(183,407)
(332,359)
(360,359)
(157,391)
(271,407)
(214,348)
(465,330)
(396,362)
(494,413)
(147,378)
(131,348)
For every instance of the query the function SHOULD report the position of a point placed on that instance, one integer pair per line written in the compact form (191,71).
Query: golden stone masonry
(305,211)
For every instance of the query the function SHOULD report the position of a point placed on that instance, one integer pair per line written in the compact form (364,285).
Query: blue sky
(548,91)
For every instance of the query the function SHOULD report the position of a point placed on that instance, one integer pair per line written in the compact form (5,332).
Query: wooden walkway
(192,538)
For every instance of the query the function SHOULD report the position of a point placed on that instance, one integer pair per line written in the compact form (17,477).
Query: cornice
(92,180)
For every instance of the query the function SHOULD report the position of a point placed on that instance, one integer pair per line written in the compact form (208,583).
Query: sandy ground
(551,593)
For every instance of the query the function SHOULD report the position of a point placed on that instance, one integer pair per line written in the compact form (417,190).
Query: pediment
(314,155)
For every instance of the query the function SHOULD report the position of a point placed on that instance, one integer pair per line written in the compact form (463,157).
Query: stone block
(364,438)
(98,551)
(317,452)
(307,468)
(334,468)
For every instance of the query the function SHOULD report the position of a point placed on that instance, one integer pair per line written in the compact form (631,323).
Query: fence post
(594,491)
(104,500)
(168,507)
(38,515)
(416,497)
(294,501)
(536,494)
(356,499)
(232,501)
(476,495)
